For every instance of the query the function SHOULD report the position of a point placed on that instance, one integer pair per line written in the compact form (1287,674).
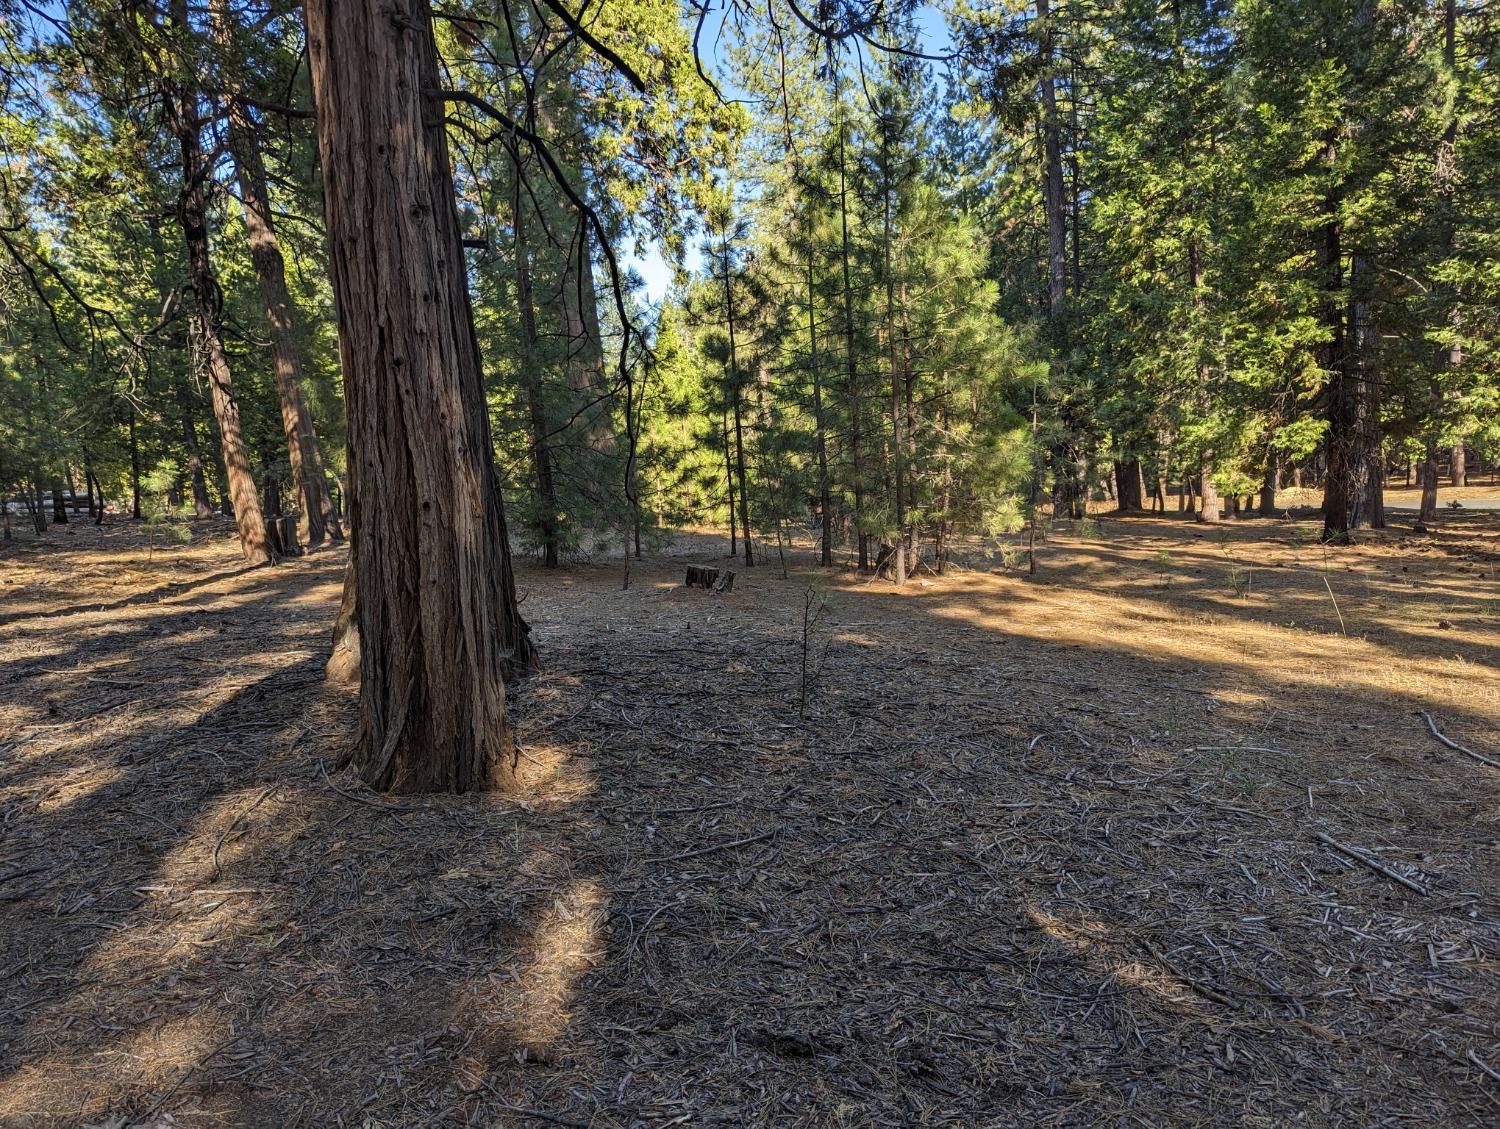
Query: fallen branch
(1484,1066)
(1438,733)
(376,804)
(228,831)
(714,847)
(1378,867)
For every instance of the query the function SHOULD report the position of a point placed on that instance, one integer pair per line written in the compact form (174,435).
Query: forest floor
(1038,851)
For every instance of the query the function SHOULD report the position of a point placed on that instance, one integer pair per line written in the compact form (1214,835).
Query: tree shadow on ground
(993,874)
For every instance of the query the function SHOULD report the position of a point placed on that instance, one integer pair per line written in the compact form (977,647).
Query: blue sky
(652,268)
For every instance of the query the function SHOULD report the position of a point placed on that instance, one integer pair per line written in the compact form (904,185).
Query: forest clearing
(1036,851)
(780,563)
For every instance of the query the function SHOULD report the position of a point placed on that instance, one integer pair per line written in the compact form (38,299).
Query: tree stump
(701,576)
(709,578)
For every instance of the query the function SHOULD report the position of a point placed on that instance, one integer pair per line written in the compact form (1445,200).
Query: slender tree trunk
(734,400)
(439,628)
(88,483)
(1209,511)
(898,451)
(1338,484)
(825,489)
(34,507)
(852,365)
(531,377)
(1458,467)
(729,480)
(95,489)
(317,520)
(910,467)
(1054,201)
(181,103)
(135,469)
(1451,356)
(1367,459)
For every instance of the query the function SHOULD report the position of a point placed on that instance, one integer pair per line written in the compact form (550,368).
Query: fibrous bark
(436,606)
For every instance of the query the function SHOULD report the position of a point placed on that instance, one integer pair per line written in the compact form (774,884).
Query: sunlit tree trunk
(318,521)
(181,104)
(1427,475)
(898,448)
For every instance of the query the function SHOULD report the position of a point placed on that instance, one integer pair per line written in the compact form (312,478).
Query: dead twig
(1484,1066)
(376,804)
(715,847)
(1378,867)
(228,831)
(1438,733)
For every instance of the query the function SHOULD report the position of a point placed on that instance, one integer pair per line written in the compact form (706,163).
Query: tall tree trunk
(1208,493)
(1367,469)
(531,377)
(739,424)
(135,468)
(438,624)
(317,520)
(1458,466)
(1338,483)
(1054,202)
(851,363)
(1450,356)
(1052,172)
(898,447)
(181,103)
(729,480)
(825,489)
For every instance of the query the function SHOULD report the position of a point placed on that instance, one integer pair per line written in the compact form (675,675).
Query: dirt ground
(1037,851)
